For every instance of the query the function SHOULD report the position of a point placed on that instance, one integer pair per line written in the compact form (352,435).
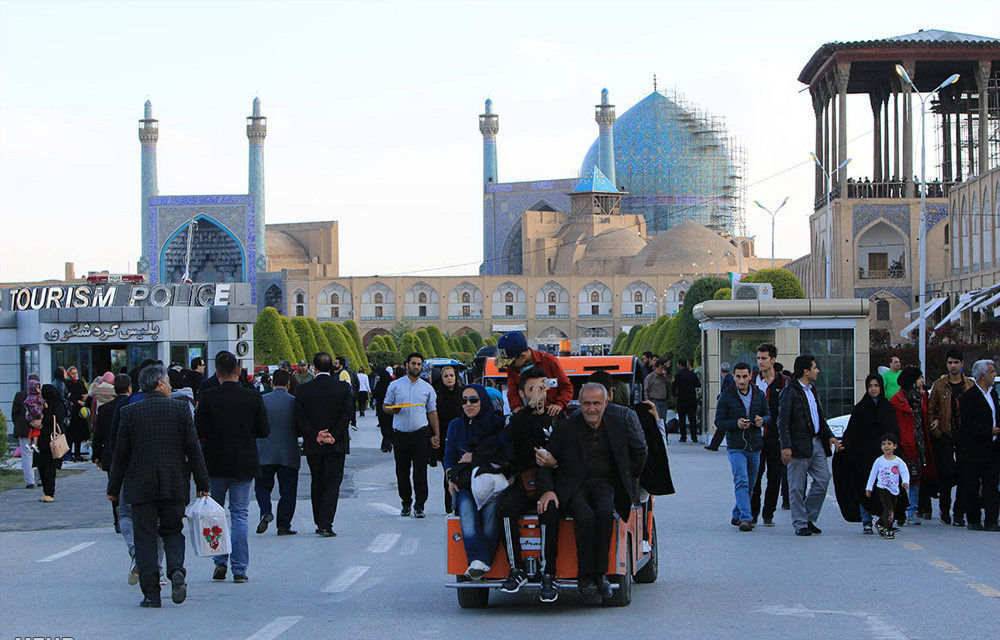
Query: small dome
(614,244)
(676,249)
(284,249)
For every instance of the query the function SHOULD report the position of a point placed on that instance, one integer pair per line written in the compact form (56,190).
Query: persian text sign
(70,296)
(111,332)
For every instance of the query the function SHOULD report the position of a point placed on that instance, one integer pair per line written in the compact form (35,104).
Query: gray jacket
(282,445)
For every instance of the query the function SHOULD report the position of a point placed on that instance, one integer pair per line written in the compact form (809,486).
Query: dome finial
(256,107)
(654,83)
(148,110)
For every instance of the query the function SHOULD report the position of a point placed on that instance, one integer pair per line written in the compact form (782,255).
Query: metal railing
(898,273)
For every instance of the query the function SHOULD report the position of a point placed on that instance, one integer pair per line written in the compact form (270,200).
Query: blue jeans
(866,516)
(239,501)
(744,465)
(913,495)
(480,529)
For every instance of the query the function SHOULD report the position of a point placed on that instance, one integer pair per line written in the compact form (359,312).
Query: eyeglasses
(472,400)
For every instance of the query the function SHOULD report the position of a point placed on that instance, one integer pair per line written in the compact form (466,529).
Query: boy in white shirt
(887,473)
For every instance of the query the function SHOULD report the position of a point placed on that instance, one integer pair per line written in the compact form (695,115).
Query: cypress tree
(354,356)
(293,338)
(438,342)
(270,342)
(408,344)
(466,342)
(477,340)
(616,348)
(306,337)
(321,342)
(390,342)
(424,339)
(359,348)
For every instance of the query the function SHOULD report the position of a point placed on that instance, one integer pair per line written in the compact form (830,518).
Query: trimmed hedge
(424,339)
(270,342)
(477,340)
(689,340)
(441,348)
(355,334)
(785,284)
(293,338)
(321,341)
(306,337)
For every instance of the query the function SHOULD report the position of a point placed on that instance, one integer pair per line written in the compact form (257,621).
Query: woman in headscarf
(871,417)
(449,407)
(54,413)
(476,444)
(79,429)
(914,437)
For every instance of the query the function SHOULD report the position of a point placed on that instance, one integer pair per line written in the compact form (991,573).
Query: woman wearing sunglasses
(476,444)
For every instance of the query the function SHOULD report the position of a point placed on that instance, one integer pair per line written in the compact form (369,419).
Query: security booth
(111,327)
(834,331)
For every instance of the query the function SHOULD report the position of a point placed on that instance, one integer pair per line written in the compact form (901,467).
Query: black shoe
(515,580)
(148,603)
(711,448)
(326,533)
(785,506)
(240,578)
(974,526)
(866,528)
(178,589)
(959,521)
(220,572)
(405,512)
(264,521)
(694,441)
(746,525)
(804,531)
(991,527)
(894,529)
(585,585)
(735,522)
(548,592)
(945,518)
(29,486)
(768,522)
(118,528)
(287,532)
(603,586)
(684,439)
(813,528)
(418,512)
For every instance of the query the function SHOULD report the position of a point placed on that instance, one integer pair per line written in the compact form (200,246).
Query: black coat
(569,448)
(862,445)
(100,449)
(78,430)
(17,415)
(795,428)
(655,476)
(229,419)
(54,409)
(975,436)
(729,411)
(685,388)
(156,452)
(324,403)
(449,407)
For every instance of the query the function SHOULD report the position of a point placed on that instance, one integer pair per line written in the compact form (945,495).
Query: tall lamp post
(829,218)
(772,214)
(922,303)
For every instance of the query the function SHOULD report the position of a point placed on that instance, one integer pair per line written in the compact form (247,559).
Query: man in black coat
(979,446)
(229,419)
(685,389)
(323,410)
(598,460)
(156,452)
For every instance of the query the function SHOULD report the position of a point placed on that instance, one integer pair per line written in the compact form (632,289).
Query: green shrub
(467,344)
(408,344)
(690,334)
(355,334)
(270,342)
(337,341)
(424,339)
(293,339)
(491,341)
(321,341)
(390,342)
(464,358)
(785,284)
(477,340)
(723,294)
(379,359)
(306,337)
(438,342)
(627,348)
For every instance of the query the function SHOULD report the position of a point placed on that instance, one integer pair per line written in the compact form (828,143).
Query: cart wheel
(473,597)
(622,596)
(649,570)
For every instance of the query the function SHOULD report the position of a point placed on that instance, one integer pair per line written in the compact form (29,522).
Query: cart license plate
(531,544)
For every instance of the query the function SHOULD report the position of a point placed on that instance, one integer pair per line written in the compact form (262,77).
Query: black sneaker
(866,528)
(813,528)
(585,585)
(735,522)
(548,592)
(880,530)
(945,518)
(149,603)
(603,586)
(29,486)
(515,580)
(418,512)
(405,512)
(240,578)
(974,526)
(804,531)
(219,573)
(178,589)
(287,532)
(746,525)
(768,522)
(959,521)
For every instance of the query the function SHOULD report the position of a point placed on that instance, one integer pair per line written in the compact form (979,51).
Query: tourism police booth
(108,327)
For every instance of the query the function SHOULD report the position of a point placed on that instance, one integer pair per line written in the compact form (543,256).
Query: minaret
(604,114)
(149,133)
(256,132)
(489,124)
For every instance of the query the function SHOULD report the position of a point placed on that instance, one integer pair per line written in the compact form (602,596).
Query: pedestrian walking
(888,473)
(53,418)
(911,414)
(156,453)
(99,448)
(279,457)
(323,410)
(770,382)
(364,392)
(806,443)
(23,430)
(945,423)
(412,402)
(78,431)
(378,394)
(685,388)
(230,418)
(657,387)
(979,443)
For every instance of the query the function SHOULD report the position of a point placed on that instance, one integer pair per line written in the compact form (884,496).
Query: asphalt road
(64,574)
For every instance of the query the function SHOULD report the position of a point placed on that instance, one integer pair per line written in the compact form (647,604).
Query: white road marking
(409,546)
(275,628)
(342,582)
(383,542)
(63,554)
(384,508)
(877,626)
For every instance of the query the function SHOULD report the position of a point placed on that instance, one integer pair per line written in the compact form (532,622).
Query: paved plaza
(64,573)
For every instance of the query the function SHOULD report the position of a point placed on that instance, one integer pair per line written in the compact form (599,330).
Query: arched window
(508,297)
(379,298)
(552,296)
(422,298)
(882,310)
(595,296)
(334,298)
(466,297)
(637,296)
(300,298)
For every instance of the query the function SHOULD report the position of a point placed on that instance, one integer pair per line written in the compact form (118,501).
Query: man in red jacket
(514,354)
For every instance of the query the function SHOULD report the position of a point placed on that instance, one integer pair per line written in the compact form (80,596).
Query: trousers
(687,414)
(238,490)
(806,508)
(327,472)
(480,527)
(411,451)
(288,482)
(513,504)
(770,464)
(27,457)
(163,519)
(947,468)
(744,466)
(592,509)
(887,500)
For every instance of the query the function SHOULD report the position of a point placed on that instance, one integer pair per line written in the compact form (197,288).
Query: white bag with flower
(207,528)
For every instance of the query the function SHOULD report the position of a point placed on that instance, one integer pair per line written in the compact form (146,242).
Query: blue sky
(372,109)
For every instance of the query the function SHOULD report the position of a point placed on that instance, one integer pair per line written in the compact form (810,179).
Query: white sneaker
(163,580)
(477,569)
(133,574)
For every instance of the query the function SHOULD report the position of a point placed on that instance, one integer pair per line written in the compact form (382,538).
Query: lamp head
(901,72)
(844,164)
(951,80)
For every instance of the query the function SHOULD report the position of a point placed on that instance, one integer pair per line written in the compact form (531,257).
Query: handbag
(58,443)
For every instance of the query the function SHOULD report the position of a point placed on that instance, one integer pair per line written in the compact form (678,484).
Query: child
(33,408)
(886,475)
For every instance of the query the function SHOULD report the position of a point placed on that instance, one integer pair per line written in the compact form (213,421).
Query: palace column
(910,67)
(843,75)
(817,100)
(896,168)
(982,83)
(876,100)
(887,167)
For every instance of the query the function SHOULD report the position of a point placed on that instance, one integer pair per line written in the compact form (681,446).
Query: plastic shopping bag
(207,528)
(486,486)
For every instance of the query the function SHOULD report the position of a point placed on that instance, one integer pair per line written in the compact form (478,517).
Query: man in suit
(229,419)
(806,443)
(279,456)
(685,388)
(979,446)
(323,410)
(597,459)
(156,452)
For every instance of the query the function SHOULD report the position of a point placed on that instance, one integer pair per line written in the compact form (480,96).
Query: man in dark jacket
(743,415)
(685,387)
(100,452)
(598,462)
(230,418)
(514,355)
(979,446)
(156,452)
(806,442)
(768,380)
(323,410)
(279,456)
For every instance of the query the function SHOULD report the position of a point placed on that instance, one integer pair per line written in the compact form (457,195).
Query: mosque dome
(676,157)
(614,244)
(677,249)
(283,249)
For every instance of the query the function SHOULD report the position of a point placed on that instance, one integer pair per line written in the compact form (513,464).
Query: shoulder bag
(58,444)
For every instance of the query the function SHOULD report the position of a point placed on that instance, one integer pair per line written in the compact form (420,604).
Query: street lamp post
(773,214)
(922,303)
(829,218)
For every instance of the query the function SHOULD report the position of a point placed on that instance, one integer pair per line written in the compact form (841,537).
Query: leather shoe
(804,531)
(264,521)
(603,586)
(586,586)
(974,526)
(219,573)
(326,533)
(287,532)
(149,603)
(813,528)
(735,522)
(178,589)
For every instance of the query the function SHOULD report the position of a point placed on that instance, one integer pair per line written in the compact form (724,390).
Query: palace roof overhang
(933,47)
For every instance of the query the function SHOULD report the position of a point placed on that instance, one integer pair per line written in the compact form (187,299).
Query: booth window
(740,346)
(834,353)
(29,364)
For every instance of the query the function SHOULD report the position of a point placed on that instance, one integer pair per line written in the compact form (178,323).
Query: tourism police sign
(77,296)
